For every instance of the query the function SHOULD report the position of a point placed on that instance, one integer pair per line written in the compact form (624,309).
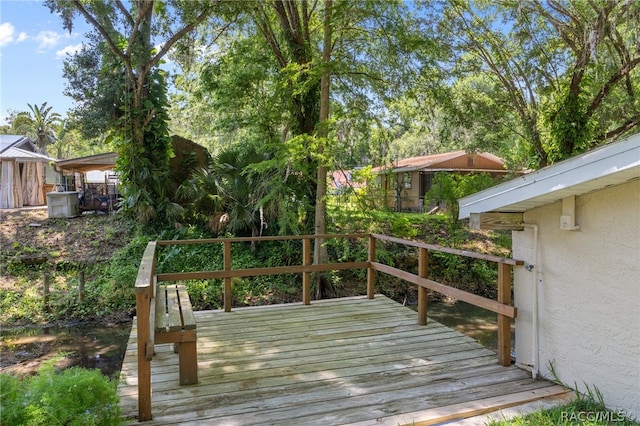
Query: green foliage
(191,257)
(250,190)
(235,94)
(74,396)
(203,203)
(450,187)
(39,124)
(208,294)
(401,227)
(205,294)
(108,291)
(538,83)
(571,127)
(143,162)
(290,191)
(21,306)
(97,84)
(134,89)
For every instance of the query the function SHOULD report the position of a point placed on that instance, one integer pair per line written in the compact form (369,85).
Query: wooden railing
(502,306)
(306,268)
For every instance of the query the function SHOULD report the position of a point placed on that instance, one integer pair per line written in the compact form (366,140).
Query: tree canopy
(289,89)
(560,77)
(121,63)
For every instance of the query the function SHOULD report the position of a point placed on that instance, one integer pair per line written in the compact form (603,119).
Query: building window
(406,180)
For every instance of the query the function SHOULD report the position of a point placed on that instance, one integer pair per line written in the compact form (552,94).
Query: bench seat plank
(173,309)
(174,318)
(161,310)
(188,318)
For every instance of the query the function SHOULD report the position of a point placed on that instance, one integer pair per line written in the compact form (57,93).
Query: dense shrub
(74,396)
(450,187)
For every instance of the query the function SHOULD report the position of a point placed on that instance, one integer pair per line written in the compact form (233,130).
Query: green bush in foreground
(74,396)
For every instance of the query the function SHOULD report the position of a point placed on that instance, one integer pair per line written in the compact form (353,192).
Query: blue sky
(33,45)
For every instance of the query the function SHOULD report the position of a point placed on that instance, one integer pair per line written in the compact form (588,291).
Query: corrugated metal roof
(106,161)
(611,164)
(24,156)
(8,141)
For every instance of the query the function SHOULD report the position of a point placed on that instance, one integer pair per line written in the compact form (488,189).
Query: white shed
(576,224)
(25,174)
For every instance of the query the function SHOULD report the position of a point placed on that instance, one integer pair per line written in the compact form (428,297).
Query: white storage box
(63,204)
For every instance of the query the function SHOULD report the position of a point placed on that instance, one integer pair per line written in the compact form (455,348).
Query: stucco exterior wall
(588,285)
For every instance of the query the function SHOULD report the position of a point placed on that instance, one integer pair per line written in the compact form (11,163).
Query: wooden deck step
(469,409)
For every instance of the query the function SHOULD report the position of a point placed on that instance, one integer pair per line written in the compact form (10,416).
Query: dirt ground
(28,235)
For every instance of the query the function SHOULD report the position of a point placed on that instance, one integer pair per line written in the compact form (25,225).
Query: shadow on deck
(340,361)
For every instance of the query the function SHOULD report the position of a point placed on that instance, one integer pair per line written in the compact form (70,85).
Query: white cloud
(22,37)
(47,39)
(6,33)
(68,50)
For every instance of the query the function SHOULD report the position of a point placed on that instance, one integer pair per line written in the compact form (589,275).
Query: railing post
(371,274)
(144,365)
(504,322)
(227,280)
(306,276)
(423,264)
(145,286)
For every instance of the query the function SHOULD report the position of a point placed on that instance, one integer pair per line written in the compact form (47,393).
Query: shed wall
(588,294)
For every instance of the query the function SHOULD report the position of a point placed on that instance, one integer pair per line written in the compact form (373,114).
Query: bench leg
(188,363)
(144,387)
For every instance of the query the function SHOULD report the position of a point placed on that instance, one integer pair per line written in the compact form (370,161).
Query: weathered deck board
(343,361)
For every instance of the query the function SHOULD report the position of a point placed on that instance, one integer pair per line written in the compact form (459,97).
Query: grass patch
(581,411)
(587,409)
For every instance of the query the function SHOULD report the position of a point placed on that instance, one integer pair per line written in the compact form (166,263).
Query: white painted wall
(589,294)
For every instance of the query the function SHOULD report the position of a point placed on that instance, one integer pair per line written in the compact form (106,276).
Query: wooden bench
(163,315)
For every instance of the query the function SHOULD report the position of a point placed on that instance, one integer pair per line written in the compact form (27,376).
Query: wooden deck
(341,361)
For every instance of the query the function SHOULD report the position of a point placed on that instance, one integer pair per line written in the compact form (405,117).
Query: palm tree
(240,192)
(39,125)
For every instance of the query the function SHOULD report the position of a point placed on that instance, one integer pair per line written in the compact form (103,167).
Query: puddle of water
(475,322)
(23,350)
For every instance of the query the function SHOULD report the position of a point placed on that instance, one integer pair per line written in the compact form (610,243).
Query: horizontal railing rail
(502,306)
(258,239)
(473,299)
(464,253)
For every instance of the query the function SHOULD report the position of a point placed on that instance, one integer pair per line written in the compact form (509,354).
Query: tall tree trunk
(142,58)
(320,251)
